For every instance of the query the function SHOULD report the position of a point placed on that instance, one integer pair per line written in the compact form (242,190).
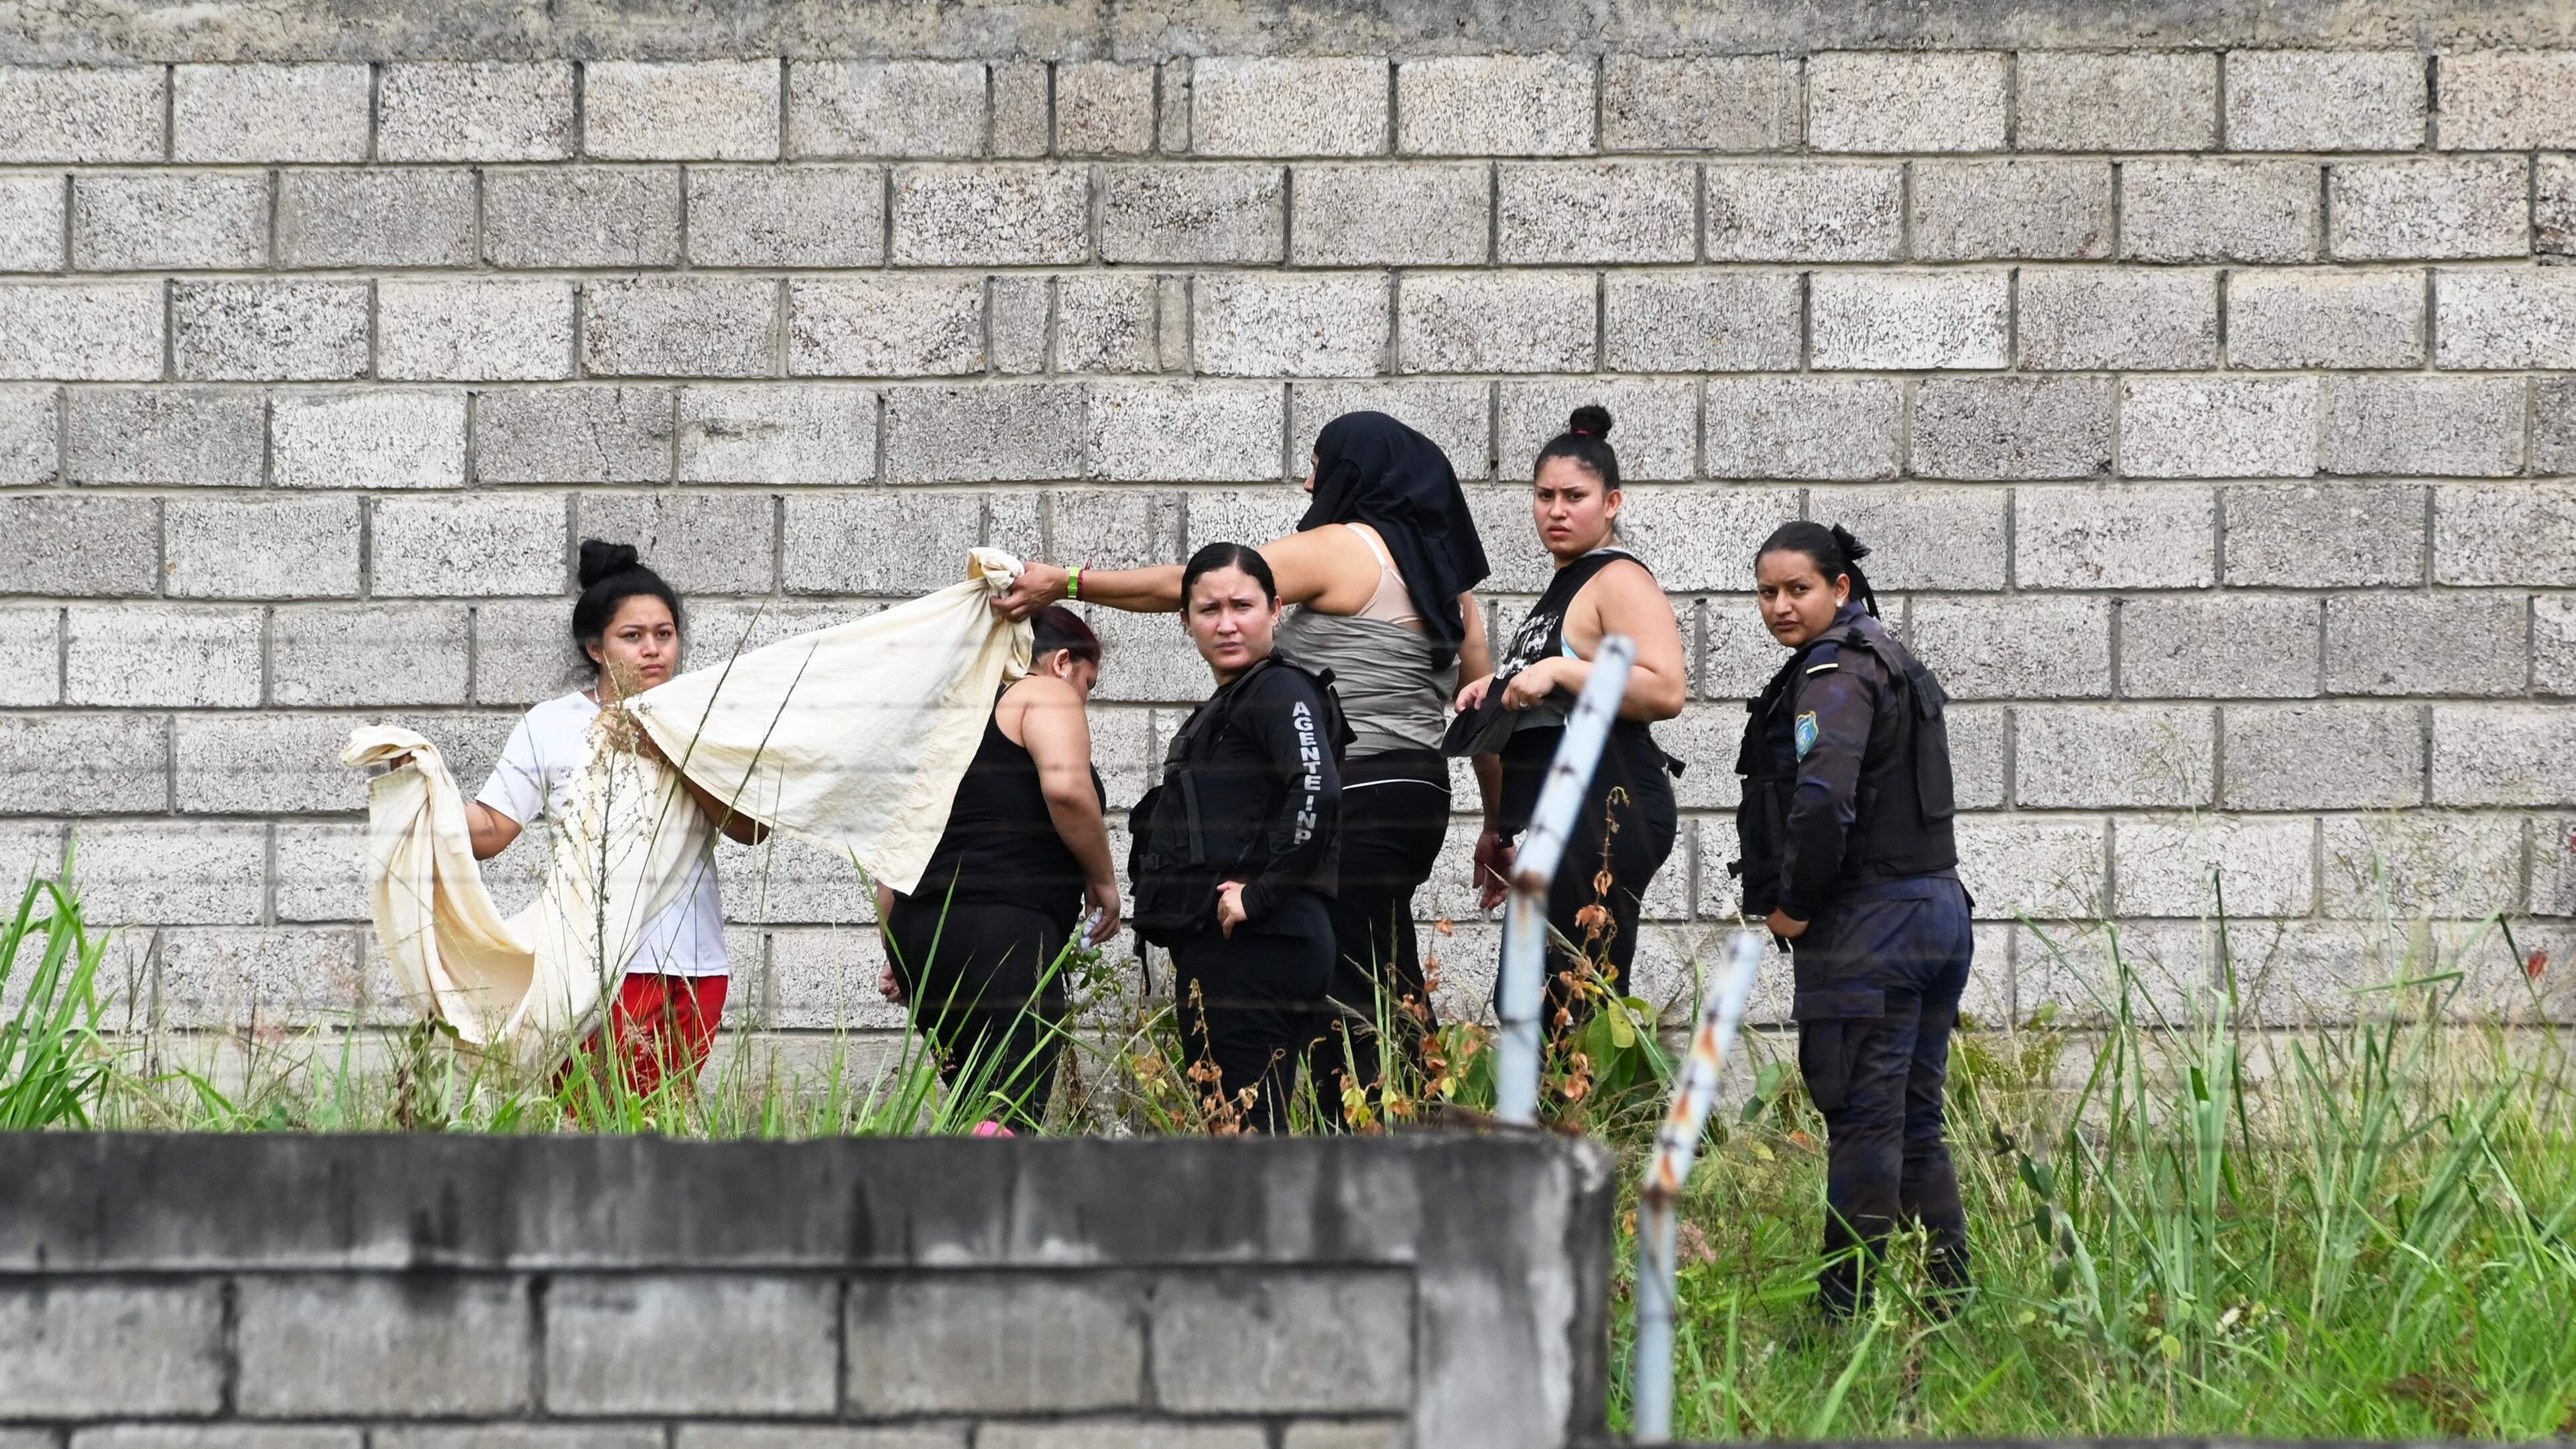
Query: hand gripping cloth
(852,737)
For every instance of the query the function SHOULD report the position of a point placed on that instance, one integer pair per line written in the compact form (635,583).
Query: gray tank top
(1391,695)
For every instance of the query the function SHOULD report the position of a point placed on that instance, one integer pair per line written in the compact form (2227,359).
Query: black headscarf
(1371,469)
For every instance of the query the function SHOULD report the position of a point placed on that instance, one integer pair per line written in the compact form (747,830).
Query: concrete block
(2195,210)
(2411,865)
(885,326)
(1153,432)
(588,216)
(1982,210)
(446,1345)
(2455,426)
(152,221)
(298,331)
(786,216)
(1899,102)
(1245,515)
(268,112)
(2193,865)
(1978,755)
(1121,1434)
(780,1436)
(320,872)
(190,658)
(2018,646)
(1103,108)
(1415,214)
(1114,528)
(83,547)
(369,654)
(1261,1343)
(1455,415)
(680,327)
(1154,663)
(524,650)
(2505,534)
(487,329)
(2498,754)
(1803,427)
(2045,867)
(95,331)
(2507,100)
(1495,105)
(1890,320)
(1335,1434)
(2429,206)
(573,435)
(2553,205)
(2011,427)
(2553,425)
(2504,317)
(2219,646)
(407,218)
(1952,539)
(991,216)
(2096,536)
(784,880)
(1701,321)
(879,543)
(1019,311)
(30,428)
(2101,756)
(1021,432)
(2553,867)
(1555,212)
(1700,103)
(171,873)
(943,1343)
(885,108)
(609,1342)
(2553,646)
(208,1436)
(2188,427)
(286,762)
(1254,324)
(1172,121)
(1495,322)
(1020,102)
(1105,322)
(84,764)
(2117,101)
(2088,318)
(1657,430)
(777,433)
(165,435)
(2427,643)
(475,111)
(2324,535)
(701,110)
(476,545)
(1835,211)
(2336,756)
(165,1338)
(380,438)
(1286,106)
(2325,100)
(714,542)
(2325,319)
(1701,538)
(81,114)
(31,223)
(266,548)
(31,659)
(1193,213)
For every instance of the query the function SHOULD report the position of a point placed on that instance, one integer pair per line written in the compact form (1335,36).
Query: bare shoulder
(1626,584)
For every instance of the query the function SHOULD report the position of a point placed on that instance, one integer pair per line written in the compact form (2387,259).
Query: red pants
(663,1026)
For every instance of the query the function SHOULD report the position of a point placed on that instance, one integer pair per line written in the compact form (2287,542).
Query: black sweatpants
(1626,826)
(1395,813)
(1251,1003)
(1879,974)
(977,996)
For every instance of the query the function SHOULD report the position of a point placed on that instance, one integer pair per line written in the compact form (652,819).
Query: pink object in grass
(993,1129)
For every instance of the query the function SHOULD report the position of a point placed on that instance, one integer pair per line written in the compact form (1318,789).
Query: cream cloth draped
(852,737)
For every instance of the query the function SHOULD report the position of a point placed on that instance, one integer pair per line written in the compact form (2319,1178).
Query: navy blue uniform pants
(1251,1003)
(1879,975)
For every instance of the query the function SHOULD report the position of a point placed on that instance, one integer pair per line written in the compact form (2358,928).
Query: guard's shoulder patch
(1805,732)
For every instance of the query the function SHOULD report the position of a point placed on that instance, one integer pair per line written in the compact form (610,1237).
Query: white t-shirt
(535,777)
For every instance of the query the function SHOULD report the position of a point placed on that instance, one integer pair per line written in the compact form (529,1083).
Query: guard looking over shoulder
(1847,850)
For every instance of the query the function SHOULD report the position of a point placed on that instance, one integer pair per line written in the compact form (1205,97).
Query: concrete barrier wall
(208,1292)
(2202,370)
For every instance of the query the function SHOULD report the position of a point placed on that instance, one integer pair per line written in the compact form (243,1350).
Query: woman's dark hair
(1586,440)
(1228,556)
(1061,628)
(1834,551)
(612,573)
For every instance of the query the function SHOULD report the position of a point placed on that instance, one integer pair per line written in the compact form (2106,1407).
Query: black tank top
(1000,844)
(1631,759)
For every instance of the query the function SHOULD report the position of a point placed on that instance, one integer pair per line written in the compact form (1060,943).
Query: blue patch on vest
(1805,733)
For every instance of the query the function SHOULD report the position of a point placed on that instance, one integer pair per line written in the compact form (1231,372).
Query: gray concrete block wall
(2210,398)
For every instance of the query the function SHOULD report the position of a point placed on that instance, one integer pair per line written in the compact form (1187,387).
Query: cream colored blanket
(853,737)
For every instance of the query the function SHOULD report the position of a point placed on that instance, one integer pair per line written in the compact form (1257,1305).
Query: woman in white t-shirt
(627,624)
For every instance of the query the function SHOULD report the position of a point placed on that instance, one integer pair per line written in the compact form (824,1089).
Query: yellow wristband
(1073,582)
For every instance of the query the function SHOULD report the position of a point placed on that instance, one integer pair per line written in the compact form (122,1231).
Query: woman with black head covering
(1383,570)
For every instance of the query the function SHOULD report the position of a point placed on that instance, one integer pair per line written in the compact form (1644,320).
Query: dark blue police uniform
(1845,824)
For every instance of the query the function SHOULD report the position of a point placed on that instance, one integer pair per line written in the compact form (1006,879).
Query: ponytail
(1833,549)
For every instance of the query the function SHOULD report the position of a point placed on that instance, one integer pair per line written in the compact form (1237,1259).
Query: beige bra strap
(1376,546)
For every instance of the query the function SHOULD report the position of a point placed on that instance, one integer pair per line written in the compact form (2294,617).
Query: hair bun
(600,559)
(1853,548)
(1591,419)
